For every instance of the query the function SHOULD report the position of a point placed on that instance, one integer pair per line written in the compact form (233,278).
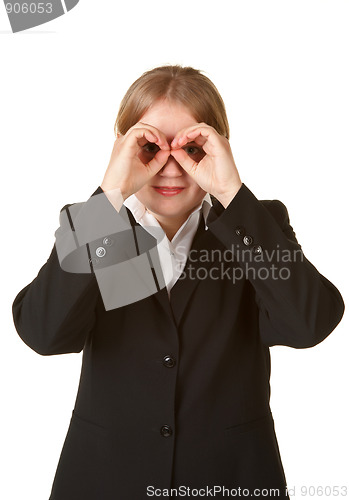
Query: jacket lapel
(161,296)
(193,271)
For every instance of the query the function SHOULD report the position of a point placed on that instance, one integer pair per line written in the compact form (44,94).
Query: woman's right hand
(134,161)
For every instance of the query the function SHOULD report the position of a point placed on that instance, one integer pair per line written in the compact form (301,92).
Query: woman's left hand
(215,172)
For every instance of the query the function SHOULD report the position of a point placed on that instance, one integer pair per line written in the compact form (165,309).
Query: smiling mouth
(168,191)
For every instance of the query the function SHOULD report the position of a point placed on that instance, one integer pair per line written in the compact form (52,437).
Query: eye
(151,147)
(148,151)
(192,150)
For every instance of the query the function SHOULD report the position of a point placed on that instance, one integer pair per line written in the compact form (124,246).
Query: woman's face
(169,118)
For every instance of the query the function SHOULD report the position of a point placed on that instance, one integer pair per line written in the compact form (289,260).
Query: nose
(171,168)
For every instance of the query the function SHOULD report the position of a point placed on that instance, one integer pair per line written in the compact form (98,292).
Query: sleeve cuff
(247,223)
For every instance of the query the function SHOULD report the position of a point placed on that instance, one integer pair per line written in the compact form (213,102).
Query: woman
(175,280)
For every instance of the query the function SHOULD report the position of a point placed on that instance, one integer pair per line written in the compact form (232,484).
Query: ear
(118,135)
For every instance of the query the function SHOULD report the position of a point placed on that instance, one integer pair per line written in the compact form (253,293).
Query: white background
(282,69)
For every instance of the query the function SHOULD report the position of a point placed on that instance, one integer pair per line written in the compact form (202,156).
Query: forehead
(168,117)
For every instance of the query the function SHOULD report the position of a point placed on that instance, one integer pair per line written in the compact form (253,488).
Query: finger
(202,134)
(199,140)
(142,132)
(185,161)
(158,161)
(209,140)
(138,137)
(185,131)
(160,136)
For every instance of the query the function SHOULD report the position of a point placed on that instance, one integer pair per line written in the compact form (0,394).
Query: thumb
(158,161)
(185,161)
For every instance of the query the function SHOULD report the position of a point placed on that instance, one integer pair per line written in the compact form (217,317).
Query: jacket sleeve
(96,253)
(298,307)
(56,311)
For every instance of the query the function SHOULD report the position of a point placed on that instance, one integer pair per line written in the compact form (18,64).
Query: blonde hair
(184,85)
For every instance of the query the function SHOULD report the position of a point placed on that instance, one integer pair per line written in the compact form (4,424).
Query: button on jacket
(175,392)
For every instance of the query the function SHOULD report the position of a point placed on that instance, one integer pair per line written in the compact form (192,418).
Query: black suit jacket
(176,393)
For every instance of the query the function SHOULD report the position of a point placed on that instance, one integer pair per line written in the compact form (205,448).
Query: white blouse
(172,254)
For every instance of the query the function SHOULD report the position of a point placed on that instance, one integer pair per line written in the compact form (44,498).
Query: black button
(248,240)
(240,231)
(166,431)
(257,249)
(169,361)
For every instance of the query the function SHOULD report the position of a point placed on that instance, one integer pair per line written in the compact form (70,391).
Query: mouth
(168,191)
